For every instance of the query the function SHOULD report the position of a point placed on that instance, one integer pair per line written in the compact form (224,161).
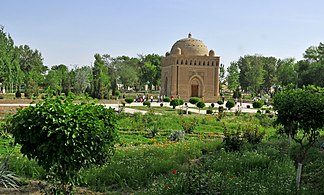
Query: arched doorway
(196,87)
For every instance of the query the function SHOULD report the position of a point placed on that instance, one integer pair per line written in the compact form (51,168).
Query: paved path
(191,107)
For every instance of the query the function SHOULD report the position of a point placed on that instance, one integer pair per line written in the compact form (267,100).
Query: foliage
(209,111)
(233,76)
(177,136)
(194,100)
(83,134)
(220,109)
(101,80)
(200,105)
(129,100)
(230,104)
(258,104)
(166,99)
(220,102)
(147,103)
(7,178)
(234,139)
(189,125)
(237,93)
(175,102)
(18,94)
(252,135)
(301,113)
(212,105)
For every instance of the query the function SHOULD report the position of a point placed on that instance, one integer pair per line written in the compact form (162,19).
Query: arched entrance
(196,87)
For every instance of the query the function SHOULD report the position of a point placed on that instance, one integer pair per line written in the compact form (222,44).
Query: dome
(189,47)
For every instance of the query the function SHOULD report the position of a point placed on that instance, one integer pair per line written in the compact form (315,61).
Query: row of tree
(257,74)
(19,65)
(22,69)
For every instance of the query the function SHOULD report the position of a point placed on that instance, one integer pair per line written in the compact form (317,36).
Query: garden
(99,151)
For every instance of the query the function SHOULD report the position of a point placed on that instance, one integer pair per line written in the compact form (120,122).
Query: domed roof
(189,47)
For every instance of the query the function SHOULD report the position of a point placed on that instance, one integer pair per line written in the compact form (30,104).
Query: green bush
(233,140)
(174,103)
(64,137)
(220,102)
(220,109)
(212,105)
(209,111)
(147,103)
(18,94)
(194,100)
(200,105)
(258,104)
(166,99)
(129,100)
(181,102)
(230,104)
(253,135)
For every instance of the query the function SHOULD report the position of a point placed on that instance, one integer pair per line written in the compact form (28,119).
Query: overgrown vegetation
(64,137)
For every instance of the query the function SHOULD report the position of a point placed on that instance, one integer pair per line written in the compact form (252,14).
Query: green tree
(111,64)
(64,137)
(82,79)
(251,73)
(10,72)
(127,71)
(200,105)
(233,76)
(150,70)
(270,73)
(222,77)
(300,111)
(287,72)
(58,79)
(31,63)
(100,81)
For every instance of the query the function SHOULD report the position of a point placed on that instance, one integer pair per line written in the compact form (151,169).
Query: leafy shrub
(7,178)
(83,134)
(177,136)
(237,93)
(230,104)
(194,100)
(248,106)
(18,94)
(117,93)
(175,102)
(233,140)
(258,104)
(253,135)
(147,103)
(181,102)
(212,105)
(220,109)
(220,102)
(161,104)
(209,111)
(129,100)
(200,105)
(166,99)
(189,126)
